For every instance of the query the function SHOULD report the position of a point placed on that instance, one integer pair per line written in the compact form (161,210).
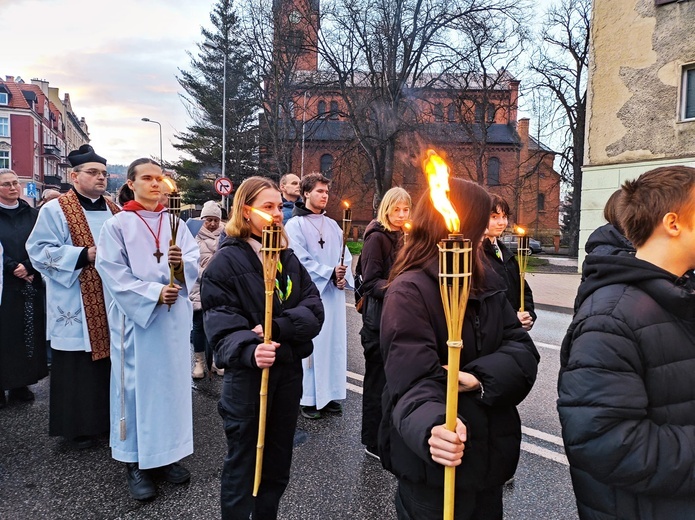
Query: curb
(554,308)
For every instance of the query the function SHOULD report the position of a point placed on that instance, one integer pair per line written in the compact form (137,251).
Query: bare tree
(387,56)
(560,65)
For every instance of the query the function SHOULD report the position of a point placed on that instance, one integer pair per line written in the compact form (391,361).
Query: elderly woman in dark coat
(499,363)
(233,300)
(22,313)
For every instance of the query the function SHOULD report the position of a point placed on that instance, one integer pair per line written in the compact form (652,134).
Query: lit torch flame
(519,230)
(169,182)
(346,204)
(407,227)
(437,173)
(262,214)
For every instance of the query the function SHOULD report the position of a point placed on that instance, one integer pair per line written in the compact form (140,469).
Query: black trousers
(373,386)
(239,408)
(79,400)
(419,502)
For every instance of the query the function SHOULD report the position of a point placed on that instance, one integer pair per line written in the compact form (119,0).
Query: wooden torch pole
(454,287)
(270,249)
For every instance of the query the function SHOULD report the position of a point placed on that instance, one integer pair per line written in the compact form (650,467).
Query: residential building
(641,97)
(37,129)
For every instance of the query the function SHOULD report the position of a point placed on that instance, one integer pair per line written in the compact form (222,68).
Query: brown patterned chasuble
(90,281)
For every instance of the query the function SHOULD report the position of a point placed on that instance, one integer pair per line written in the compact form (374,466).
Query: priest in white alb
(62,247)
(317,240)
(150,322)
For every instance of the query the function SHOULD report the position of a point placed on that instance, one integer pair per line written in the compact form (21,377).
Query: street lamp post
(161,157)
(224,111)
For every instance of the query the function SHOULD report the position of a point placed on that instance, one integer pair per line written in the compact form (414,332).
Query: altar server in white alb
(318,242)
(150,322)
(62,247)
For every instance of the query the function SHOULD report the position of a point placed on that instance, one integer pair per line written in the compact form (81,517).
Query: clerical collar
(98,204)
(5,206)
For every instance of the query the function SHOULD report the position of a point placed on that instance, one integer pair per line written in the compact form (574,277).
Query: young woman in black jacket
(233,301)
(383,239)
(499,363)
(504,263)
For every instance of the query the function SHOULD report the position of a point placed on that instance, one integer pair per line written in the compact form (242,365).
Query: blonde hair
(246,193)
(391,198)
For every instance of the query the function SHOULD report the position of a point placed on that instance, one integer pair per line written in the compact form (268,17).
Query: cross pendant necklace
(157,253)
(319,231)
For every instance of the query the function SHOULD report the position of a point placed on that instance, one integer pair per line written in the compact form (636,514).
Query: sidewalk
(555,291)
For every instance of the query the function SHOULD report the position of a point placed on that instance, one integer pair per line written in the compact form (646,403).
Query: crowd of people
(128,291)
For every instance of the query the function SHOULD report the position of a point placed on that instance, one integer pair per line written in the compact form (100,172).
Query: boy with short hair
(626,396)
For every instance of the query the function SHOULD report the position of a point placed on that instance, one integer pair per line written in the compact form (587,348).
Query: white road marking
(530,432)
(545,453)
(547,345)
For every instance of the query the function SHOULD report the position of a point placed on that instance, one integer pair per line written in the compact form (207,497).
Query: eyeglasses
(13,184)
(96,173)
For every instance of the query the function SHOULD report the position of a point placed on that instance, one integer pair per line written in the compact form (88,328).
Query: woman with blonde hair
(233,300)
(383,238)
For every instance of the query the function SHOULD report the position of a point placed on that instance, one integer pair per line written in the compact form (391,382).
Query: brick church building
(476,130)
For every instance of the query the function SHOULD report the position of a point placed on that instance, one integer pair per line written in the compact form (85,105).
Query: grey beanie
(211,209)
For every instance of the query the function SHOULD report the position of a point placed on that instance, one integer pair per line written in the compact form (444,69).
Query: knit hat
(211,209)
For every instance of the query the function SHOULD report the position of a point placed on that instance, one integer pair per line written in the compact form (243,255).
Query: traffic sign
(31,190)
(223,186)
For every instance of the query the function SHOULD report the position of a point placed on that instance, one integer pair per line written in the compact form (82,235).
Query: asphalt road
(42,477)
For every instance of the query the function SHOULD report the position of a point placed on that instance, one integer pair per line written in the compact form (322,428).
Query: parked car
(511,242)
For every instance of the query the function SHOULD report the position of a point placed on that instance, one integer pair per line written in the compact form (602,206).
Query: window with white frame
(688,92)
(4,98)
(4,159)
(4,127)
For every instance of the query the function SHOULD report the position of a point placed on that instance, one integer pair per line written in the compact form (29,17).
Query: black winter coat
(508,269)
(626,393)
(23,310)
(496,349)
(378,255)
(233,300)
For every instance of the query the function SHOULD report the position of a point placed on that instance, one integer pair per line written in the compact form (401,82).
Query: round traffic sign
(223,186)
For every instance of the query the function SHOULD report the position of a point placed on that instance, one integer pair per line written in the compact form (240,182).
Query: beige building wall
(638,51)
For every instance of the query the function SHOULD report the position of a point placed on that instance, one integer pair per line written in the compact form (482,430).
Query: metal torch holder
(454,287)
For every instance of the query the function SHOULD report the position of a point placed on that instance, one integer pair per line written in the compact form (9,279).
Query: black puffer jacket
(495,349)
(233,299)
(508,269)
(378,254)
(626,392)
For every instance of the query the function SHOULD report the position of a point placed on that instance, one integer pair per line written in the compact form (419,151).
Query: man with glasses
(62,248)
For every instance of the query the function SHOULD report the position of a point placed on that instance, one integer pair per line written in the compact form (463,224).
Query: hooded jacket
(607,240)
(496,349)
(626,393)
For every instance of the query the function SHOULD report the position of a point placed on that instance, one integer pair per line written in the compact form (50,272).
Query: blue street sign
(31,190)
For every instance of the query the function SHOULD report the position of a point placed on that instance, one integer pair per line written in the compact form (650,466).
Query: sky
(118,60)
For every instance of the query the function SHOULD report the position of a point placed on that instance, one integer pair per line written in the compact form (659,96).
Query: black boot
(22,394)
(139,482)
(3,402)
(175,473)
